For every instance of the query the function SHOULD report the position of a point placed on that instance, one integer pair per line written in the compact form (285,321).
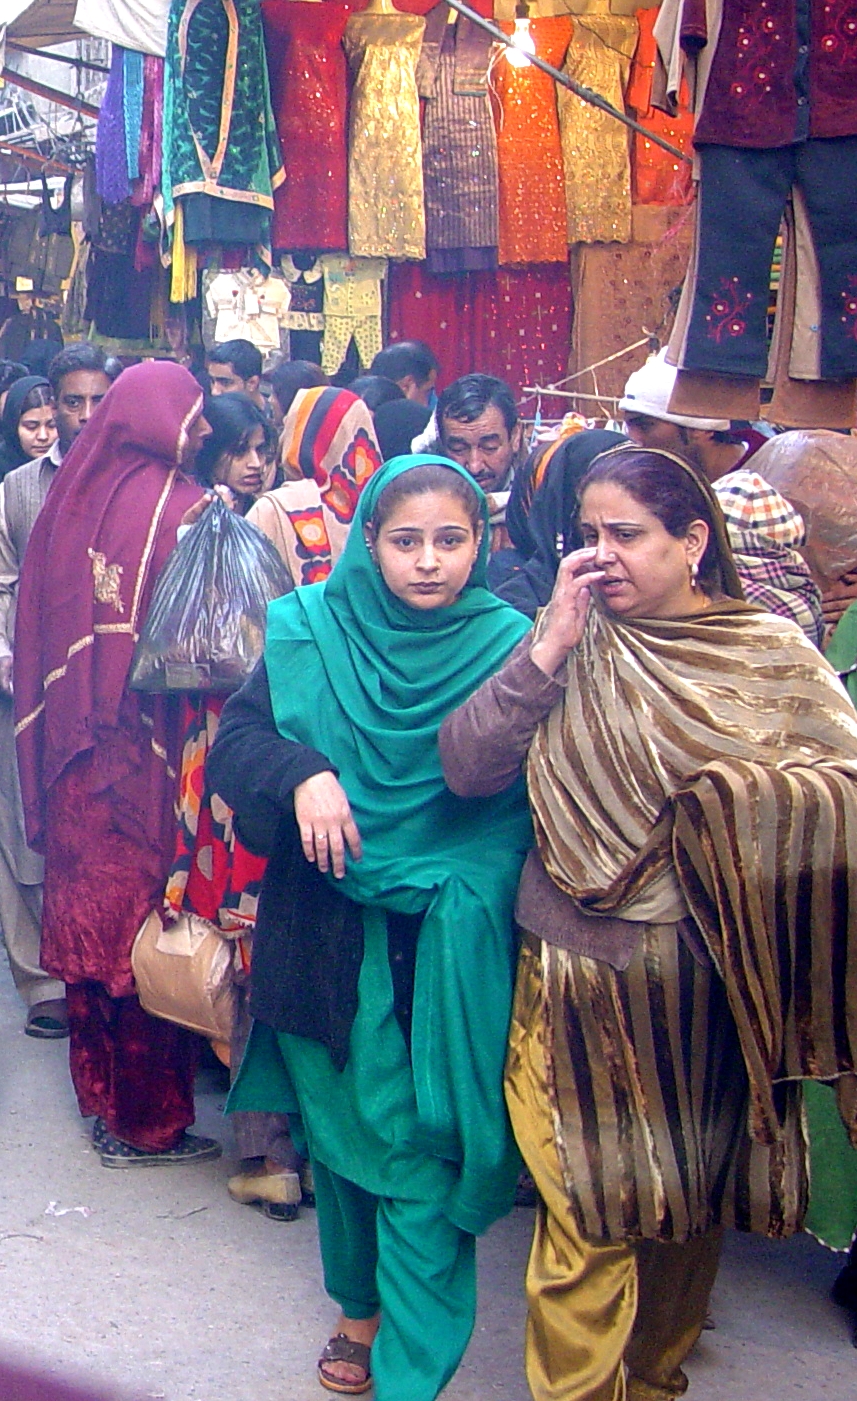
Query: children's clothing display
(352,308)
(248,306)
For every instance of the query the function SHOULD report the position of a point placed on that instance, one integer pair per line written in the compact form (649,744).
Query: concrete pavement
(165,1288)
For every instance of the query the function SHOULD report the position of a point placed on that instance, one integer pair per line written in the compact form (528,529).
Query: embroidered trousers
(722,322)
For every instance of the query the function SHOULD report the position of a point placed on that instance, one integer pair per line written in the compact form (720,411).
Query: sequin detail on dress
(386,216)
(594,144)
(532,188)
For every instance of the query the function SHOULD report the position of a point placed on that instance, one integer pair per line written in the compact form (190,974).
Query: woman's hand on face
(326,826)
(565,616)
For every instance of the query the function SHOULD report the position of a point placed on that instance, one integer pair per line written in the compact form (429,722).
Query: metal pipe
(64,99)
(57,58)
(587,94)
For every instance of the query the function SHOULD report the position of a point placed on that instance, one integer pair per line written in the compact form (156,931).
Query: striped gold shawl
(709,764)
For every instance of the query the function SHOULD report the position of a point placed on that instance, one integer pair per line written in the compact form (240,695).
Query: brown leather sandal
(341,1348)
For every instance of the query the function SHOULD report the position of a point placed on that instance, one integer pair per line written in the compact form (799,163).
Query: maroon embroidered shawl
(107,526)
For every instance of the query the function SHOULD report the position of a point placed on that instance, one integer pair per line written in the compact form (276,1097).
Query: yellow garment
(352,307)
(386,212)
(595,147)
(584,1317)
(184,266)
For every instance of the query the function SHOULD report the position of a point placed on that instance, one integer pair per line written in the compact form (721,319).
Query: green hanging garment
(219,137)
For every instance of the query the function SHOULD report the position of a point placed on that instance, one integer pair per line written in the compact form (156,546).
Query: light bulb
(523,44)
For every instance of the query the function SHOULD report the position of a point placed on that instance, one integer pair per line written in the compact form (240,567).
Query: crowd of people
(534,827)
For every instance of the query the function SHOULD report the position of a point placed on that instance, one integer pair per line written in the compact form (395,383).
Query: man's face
(25,303)
(225,381)
(420,393)
(485,447)
(648,432)
(78,396)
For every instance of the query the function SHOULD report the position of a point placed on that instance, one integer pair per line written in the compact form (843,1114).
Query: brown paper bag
(183,973)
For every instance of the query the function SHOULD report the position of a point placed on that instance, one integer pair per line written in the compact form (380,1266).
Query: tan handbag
(183,973)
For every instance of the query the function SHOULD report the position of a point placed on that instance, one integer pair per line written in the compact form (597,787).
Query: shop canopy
(39,23)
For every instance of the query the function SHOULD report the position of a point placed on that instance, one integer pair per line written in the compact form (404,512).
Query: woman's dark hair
(292,375)
(233,417)
(39,396)
(375,390)
(431,476)
(671,492)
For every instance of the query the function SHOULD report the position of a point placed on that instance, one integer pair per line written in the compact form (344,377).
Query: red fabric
(307,67)
(102,882)
(656,176)
(103,534)
(213,874)
(515,323)
(134,1071)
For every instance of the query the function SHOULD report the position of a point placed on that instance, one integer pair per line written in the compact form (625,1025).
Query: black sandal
(341,1348)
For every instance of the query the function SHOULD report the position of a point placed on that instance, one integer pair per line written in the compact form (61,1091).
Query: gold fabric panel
(595,147)
(386,214)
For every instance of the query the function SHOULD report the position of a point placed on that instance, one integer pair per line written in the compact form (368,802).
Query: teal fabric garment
(367,680)
(832,1212)
(841,651)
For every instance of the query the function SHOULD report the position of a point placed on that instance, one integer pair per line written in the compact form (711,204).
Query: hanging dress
(532,188)
(459,147)
(656,176)
(386,215)
(308,75)
(595,146)
(221,150)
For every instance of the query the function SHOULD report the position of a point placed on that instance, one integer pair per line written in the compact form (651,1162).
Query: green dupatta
(366,680)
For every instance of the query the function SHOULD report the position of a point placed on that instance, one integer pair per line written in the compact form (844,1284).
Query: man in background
(412,365)
(235,367)
(79,381)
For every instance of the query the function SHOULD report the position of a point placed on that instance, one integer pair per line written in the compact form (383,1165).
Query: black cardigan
(308,940)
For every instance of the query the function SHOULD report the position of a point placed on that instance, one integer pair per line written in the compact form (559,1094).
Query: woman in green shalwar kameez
(406,1129)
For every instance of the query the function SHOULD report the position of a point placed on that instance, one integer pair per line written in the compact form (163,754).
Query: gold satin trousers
(596,1310)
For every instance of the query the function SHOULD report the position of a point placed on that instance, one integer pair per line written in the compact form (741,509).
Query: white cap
(648,392)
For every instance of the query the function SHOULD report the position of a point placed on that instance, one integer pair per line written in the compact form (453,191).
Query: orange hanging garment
(531,180)
(656,176)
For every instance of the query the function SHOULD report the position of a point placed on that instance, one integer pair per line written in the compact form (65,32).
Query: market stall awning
(39,23)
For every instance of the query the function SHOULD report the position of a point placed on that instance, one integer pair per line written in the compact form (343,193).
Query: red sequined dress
(532,185)
(308,89)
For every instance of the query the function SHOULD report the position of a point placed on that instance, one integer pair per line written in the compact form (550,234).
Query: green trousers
(406,1260)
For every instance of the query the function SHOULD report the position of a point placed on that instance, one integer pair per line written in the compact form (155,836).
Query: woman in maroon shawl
(98,762)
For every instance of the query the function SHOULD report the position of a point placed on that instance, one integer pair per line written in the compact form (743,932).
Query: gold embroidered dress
(386,213)
(595,146)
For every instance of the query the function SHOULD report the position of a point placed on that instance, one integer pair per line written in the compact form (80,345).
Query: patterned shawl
(710,764)
(764,532)
(328,452)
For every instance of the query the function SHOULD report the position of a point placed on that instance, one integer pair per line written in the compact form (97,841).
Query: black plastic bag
(206,625)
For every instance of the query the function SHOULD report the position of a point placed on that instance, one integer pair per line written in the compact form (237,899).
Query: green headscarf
(362,677)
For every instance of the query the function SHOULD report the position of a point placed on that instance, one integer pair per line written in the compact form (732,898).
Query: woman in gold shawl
(687,918)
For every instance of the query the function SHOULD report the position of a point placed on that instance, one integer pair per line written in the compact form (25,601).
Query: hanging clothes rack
(586,94)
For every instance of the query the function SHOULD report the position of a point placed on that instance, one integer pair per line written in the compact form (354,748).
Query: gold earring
(694,575)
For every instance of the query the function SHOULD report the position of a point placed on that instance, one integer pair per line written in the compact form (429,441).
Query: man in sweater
(79,381)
